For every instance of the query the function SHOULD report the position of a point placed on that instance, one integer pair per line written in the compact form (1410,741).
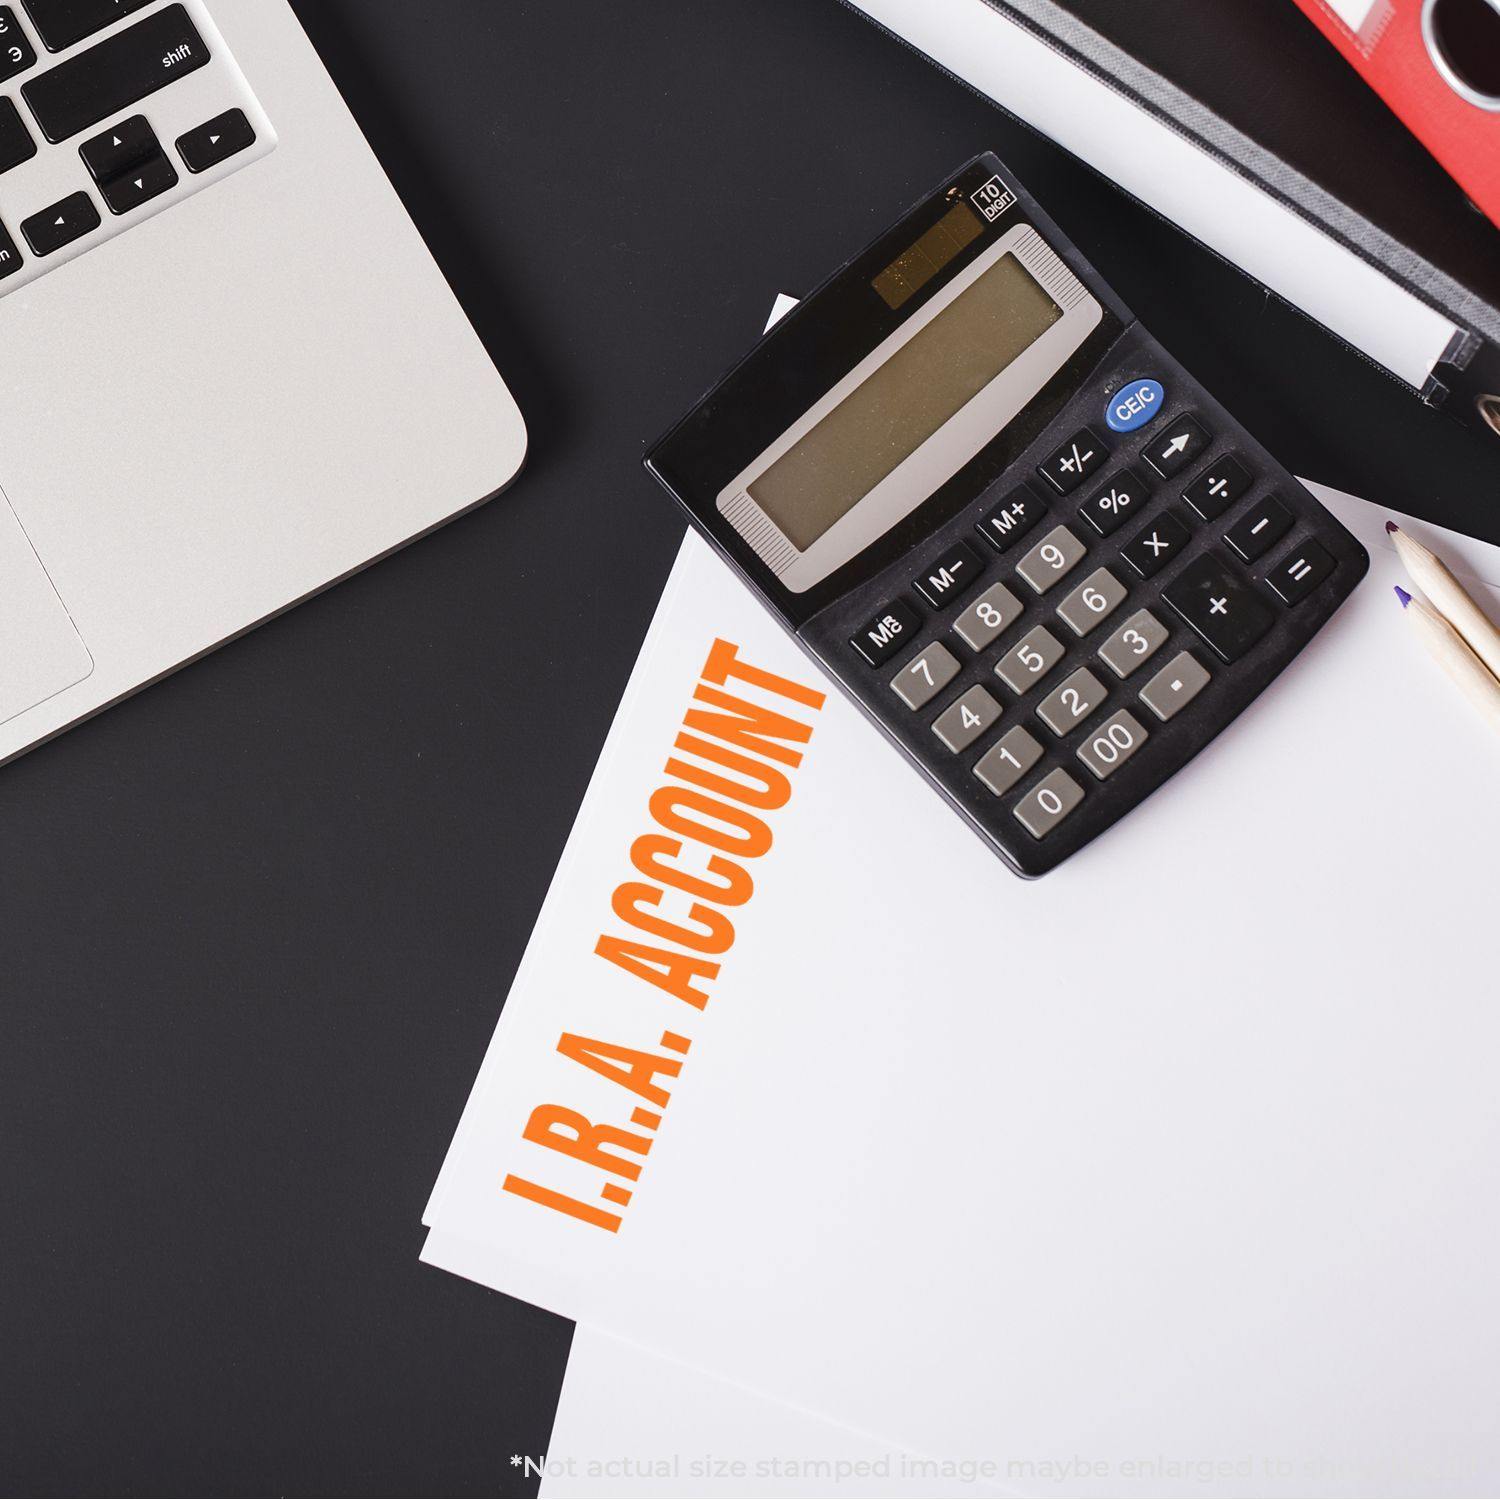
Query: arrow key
(108,154)
(224,136)
(48,231)
(139,184)
(1175,446)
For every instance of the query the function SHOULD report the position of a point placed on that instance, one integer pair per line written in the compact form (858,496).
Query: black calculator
(1026,542)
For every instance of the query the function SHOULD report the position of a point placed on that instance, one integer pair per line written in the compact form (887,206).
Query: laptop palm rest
(41,652)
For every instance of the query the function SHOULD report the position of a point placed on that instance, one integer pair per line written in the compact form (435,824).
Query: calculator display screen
(904,401)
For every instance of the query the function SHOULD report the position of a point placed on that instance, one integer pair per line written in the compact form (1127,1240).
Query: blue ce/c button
(1134,405)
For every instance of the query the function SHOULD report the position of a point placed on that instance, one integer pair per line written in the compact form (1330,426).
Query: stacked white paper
(1176,1166)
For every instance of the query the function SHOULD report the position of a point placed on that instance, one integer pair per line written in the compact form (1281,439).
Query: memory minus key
(117,73)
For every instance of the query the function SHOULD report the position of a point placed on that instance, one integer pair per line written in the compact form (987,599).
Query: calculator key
(959,726)
(1052,559)
(1134,643)
(1079,457)
(116,73)
(881,638)
(224,136)
(16,144)
(1030,659)
(139,184)
(1009,521)
(1300,572)
(1069,705)
(10,257)
(16,53)
(1175,446)
(988,617)
(1217,488)
(1048,803)
(1007,760)
(61,224)
(1264,524)
(1092,602)
(1112,744)
(1175,686)
(924,677)
(1157,545)
(1116,503)
(60,23)
(1219,607)
(1134,405)
(950,575)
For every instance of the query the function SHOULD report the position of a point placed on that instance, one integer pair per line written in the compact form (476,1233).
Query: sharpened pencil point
(1403,596)
(1392,526)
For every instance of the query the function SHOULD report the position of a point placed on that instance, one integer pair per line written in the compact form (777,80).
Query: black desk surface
(257,923)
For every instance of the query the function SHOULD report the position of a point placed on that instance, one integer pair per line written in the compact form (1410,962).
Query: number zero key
(1048,803)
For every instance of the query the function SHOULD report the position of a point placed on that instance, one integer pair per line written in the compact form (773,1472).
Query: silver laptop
(230,373)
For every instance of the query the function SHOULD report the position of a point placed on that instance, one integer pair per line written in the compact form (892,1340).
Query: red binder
(1437,64)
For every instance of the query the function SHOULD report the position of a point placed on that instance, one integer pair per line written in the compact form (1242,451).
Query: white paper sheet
(632,1423)
(1170,1173)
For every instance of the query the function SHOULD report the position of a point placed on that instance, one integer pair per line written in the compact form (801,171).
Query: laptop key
(116,73)
(60,23)
(16,53)
(10,257)
(110,153)
(224,136)
(16,144)
(139,184)
(48,231)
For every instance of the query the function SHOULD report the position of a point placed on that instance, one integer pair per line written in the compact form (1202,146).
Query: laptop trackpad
(40,651)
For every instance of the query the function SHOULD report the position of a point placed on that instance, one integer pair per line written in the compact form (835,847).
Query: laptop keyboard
(110,110)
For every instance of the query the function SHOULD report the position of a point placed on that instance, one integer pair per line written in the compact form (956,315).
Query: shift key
(119,72)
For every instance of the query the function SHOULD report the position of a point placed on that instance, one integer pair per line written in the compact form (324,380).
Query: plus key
(1219,607)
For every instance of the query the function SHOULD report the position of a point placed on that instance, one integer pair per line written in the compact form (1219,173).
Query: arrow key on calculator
(1175,446)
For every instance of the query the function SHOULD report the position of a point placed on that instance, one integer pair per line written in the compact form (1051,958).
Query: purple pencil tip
(1392,526)
(1403,596)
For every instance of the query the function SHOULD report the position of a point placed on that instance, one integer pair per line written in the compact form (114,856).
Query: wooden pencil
(1452,653)
(1449,597)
